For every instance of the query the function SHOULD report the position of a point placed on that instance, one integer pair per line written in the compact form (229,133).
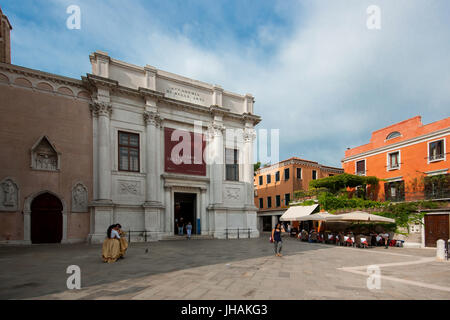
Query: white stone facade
(145,101)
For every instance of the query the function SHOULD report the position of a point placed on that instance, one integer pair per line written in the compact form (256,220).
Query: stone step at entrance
(184,237)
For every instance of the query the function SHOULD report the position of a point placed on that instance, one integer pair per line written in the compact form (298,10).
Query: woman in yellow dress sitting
(123,240)
(111,245)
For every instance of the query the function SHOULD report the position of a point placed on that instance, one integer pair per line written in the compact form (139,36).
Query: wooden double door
(436,227)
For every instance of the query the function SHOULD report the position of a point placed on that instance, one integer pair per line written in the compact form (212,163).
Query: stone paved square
(222,269)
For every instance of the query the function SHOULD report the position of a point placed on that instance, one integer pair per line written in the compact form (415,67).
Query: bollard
(440,250)
(447,250)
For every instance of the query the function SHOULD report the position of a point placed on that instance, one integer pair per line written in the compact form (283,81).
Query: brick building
(5,42)
(46,160)
(275,186)
(411,159)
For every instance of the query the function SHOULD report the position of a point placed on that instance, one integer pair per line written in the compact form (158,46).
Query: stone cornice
(97,81)
(217,110)
(398,145)
(248,117)
(304,163)
(150,93)
(36,74)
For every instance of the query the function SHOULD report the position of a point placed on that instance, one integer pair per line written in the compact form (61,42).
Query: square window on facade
(278,200)
(299,173)
(128,152)
(394,191)
(361,167)
(286,174)
(436,150)
(287,198)
(232,164)
(394,160)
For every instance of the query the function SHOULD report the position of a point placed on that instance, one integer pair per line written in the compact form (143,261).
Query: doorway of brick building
(46,219)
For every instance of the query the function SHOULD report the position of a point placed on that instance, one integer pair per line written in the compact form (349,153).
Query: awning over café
(296,212)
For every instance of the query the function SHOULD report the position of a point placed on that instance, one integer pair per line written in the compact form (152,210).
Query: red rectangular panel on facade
(182,152)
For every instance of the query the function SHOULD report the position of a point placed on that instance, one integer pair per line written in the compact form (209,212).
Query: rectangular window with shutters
(232,165)
(361,167)
(269,178)
(394,160)
(128,151)
(261,203)
(269,202)
(277,176)
(286,174)
(278,200)
(394,191)
(287,198)
(299,173)
(436,151)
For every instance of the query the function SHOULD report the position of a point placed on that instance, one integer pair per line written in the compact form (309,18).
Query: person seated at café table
(313,236)
(349,239)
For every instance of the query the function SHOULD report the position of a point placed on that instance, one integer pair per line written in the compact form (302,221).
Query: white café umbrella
(359,216)
(321,216)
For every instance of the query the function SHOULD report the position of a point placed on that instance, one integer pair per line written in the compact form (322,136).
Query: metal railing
(239,232)
(140,233)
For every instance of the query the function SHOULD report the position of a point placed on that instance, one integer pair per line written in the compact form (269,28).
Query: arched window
(393,135)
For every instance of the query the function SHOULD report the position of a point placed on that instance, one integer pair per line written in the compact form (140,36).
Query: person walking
(189,230)
(276,238)
(180,227)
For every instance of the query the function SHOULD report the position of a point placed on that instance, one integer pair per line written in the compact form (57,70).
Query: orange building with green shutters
(411,159)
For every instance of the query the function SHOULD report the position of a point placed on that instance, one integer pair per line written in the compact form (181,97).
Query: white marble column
(204,220)
(159,157)
(168,211)
(151,194)
(249,136)
(103,111)
(217,165)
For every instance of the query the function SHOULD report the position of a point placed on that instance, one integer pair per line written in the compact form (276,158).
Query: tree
(256,167)
(336,183)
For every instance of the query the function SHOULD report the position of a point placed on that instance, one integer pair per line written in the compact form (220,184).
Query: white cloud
(326,84)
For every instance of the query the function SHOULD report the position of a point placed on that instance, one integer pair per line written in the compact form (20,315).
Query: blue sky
(317,73)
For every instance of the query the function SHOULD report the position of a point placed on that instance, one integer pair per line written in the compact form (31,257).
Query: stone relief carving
(128,187)
(79,198)
(9,194)
(44,156)
(232,194)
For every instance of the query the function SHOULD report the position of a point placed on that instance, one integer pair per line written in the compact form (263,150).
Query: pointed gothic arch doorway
(46,219)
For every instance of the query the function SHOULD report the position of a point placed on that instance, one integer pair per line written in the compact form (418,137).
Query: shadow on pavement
(33,271)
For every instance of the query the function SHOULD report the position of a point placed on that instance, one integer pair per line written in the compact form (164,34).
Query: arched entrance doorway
(46,219)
